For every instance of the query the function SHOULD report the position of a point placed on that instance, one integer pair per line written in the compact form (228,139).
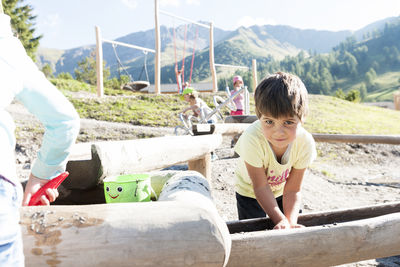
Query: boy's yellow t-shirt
(254,148)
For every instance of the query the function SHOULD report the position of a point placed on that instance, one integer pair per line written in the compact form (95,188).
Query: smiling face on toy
(114,190)
(127,188)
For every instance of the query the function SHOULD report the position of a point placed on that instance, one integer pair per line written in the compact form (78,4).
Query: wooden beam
(157,57)
(212,60)
(132,156)
(183,228)
(99,63)
(254,68)
(325,245)
(184,19)
(357,138)
(130,46)
(202,165)
(318,218)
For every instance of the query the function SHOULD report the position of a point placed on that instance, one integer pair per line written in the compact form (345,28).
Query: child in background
(239,99)
(274,153)
(197,105)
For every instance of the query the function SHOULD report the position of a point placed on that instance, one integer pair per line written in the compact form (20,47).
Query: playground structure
(192,125)
(183,226)
(157,52)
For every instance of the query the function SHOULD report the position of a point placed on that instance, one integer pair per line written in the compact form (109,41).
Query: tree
(353,96)
(65,76)
(86,71)
(340,94)
(370,76)
(47,71)
(363,91)
(23,23)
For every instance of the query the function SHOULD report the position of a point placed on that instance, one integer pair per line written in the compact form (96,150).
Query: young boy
(197,105)
(274,153)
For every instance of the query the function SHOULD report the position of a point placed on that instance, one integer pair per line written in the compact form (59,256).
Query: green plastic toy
(127,188)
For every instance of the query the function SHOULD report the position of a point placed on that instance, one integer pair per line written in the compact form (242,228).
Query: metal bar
(223,104)
(232,66)
(129,45)
(184,19)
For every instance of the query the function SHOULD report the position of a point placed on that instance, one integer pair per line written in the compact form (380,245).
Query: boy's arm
(292,196)
(265,197)
(188,108)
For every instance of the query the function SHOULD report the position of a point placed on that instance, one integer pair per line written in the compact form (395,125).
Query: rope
(183,56)
(176,60)
(120,63)
(194,48)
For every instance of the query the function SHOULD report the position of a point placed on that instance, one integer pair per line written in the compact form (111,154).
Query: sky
(67,24)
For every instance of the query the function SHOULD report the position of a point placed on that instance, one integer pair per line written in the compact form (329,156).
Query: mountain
(236,47)
(373,27)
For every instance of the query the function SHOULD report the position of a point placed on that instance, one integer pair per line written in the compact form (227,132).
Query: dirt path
(343,176)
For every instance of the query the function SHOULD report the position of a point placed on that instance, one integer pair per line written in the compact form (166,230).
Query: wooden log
(90,163)
(230,128)
(132,156)
(182,229)
(318,218)
(357,138)
(319,245)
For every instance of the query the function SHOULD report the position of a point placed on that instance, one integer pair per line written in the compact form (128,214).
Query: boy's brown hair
(281,94)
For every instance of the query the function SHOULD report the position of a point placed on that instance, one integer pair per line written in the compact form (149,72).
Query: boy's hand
(33,185)
(298,226)
(283,224)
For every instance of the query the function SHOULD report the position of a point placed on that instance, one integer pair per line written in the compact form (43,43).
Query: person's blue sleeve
(58,116)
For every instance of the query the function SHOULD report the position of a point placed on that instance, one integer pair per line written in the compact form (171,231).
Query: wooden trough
(330,238)
(182,228)
(90,163)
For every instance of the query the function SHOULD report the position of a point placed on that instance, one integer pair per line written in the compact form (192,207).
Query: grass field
(327,114)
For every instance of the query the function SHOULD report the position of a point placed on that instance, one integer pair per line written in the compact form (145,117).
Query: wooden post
(396,100)
(212,62)
(99,63)
(254,68)
(202,165)
(157,57)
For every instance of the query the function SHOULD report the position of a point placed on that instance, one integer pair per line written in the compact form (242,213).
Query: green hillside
(370,66)
(327,114)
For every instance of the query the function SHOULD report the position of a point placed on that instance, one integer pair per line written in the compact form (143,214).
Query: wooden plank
(318,218)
